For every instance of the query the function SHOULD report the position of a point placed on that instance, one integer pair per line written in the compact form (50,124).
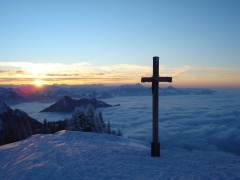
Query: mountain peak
(139,85)
(170,88)
(66,97)
(3,107)
(68,104)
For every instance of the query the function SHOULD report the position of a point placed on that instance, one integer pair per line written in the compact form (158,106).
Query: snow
(79,155)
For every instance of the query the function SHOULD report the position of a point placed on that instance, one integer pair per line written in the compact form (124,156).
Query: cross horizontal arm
(164,79)
(146,79)
(158,79)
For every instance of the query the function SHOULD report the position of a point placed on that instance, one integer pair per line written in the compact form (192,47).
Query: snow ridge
(79,155)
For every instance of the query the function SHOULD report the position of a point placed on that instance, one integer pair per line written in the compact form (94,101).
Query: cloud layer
(190,123)
(86,73)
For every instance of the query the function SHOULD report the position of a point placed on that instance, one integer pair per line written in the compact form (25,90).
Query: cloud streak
(127,73)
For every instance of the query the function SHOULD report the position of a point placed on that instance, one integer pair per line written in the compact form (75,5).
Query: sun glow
(38,83)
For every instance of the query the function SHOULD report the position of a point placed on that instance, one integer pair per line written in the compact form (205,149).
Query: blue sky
(191,38)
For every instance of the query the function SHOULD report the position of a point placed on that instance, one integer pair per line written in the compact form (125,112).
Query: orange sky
(86,73)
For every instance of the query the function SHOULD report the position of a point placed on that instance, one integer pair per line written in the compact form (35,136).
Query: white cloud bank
(187,122)
(192,123)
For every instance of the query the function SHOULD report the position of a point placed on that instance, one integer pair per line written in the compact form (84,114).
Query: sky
(113,42)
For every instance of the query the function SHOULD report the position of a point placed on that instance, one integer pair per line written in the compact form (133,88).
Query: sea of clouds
(196,123)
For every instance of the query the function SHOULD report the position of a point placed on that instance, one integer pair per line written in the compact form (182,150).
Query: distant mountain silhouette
(171,91)
(97,95)
(205,92)
(68,104)
(9,96)
(52,93)
(130,90)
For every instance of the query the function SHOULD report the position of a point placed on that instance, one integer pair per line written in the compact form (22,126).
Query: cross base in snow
(155,149)
(155,79)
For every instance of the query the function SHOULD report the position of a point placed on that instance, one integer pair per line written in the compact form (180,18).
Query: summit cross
(155,79)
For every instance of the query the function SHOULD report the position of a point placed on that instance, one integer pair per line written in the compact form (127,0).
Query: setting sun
(38,83)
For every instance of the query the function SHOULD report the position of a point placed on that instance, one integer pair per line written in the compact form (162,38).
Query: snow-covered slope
(78,155)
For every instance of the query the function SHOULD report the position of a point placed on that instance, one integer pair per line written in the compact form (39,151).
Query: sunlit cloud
(86,73)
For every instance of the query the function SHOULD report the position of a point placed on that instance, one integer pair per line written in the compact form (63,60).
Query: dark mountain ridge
(8,115)
(16,125)
(67,104)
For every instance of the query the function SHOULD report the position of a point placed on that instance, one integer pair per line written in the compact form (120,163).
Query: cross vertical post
(155,79)
(155,145)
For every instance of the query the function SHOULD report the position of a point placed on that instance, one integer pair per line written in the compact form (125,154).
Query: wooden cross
(155,79)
